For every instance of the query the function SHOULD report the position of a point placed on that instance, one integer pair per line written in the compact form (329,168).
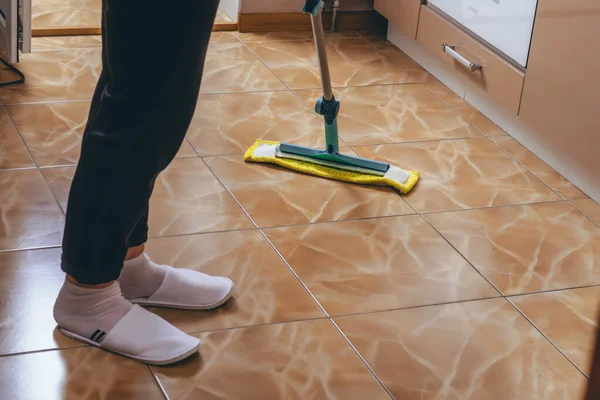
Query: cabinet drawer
(497,77)
(403,14)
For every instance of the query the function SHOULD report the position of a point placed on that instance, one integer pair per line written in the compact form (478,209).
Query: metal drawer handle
(450,50)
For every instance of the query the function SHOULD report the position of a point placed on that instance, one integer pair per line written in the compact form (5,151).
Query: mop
(329,163)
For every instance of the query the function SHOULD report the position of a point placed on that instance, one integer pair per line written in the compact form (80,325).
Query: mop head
(265,152)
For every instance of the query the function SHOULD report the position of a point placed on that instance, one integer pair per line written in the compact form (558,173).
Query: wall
(230,7)
(290,6)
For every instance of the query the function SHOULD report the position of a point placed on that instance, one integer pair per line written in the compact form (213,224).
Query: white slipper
(187,289)
(144,337)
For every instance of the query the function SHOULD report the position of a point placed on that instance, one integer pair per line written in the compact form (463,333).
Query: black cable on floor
(16,71)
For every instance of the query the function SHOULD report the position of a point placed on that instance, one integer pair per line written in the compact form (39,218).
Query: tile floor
(47,14)
(481,284)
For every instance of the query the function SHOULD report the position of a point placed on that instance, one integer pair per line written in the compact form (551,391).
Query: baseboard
(509,122)
(274,22)
(96,30)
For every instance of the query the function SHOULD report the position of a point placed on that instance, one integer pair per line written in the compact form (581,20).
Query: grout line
(158,383)
(268,241)
(266,324)
(360,356)
(91,12)
(584,214)
(551,291)
(24,353)
(546,337)
(535,203)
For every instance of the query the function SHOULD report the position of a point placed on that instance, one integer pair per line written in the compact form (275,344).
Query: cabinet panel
(403,14)
(562,83)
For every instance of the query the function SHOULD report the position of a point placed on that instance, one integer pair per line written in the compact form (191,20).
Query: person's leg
(140,114)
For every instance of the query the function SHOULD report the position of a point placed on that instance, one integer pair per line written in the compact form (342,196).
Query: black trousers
(152,60)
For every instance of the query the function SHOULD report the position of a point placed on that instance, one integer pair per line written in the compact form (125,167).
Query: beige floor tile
(569,318)
(29,283)
(60,14)
(353,62)
(53,131)
(29,214)
(469,351)
(466,110)
(95,7)
(223,37)
(378,264)
(391,114)
(231,123)
(302,360)
(13,153)
(545,172)
(590,208)
(65,42)
(187,199)
(526,249)
(231,67)
(82,373)
(398,56)
(55,75)
(274,196)
(291,35)
(265,290)
(462,174)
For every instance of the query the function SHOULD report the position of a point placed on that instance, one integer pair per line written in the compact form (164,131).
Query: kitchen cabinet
(562,83)
(403,14)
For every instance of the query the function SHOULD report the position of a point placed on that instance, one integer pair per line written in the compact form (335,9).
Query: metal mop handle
(314,7)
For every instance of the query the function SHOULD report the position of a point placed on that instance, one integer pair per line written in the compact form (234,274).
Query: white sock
(89,312)
(141,277)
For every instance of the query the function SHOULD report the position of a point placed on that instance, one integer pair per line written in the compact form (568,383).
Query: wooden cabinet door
(403,14)
(561,94)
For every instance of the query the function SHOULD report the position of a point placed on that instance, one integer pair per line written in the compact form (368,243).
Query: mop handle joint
(312,7)
(329,109)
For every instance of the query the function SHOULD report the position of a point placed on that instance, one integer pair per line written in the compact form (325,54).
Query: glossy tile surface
(274,196)
(29,283)
(232,67)
(378,264)
(399,57)
(65,42)
(60,14)
(55,75)
(353,62)
(304,360)
(392,114)
(231,123)
(266,290)
(590,208)
(248,37)
(462,174)
(545,172)
(13,153)
(469,351)
(568,318)
(82,373)
(29,215)
(526,249)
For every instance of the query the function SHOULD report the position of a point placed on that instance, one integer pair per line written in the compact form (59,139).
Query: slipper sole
(206,307)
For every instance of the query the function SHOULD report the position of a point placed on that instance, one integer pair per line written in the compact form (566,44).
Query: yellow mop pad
(265,152)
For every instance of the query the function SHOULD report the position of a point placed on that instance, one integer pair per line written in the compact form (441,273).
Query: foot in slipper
(146,283)
(103,318)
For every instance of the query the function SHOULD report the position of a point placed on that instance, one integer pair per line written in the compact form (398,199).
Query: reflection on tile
(63,13)
(13,153)
(373,34)
(29,284)
(411,66)
(545,172)
(467,111)
(29,215)
(188,198)
(526,248)
(266,291)
(569,318)
(81,373)
(274,196)
(590,208)
(95,7)
(459,174)
(378,264)
(220,37)
(302,360)
(55,75)
(231,123)
(469,351)
(389,114)
(231,67)
(222,17)
(65,42)
(291,35)
(353,62)
(52,131)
